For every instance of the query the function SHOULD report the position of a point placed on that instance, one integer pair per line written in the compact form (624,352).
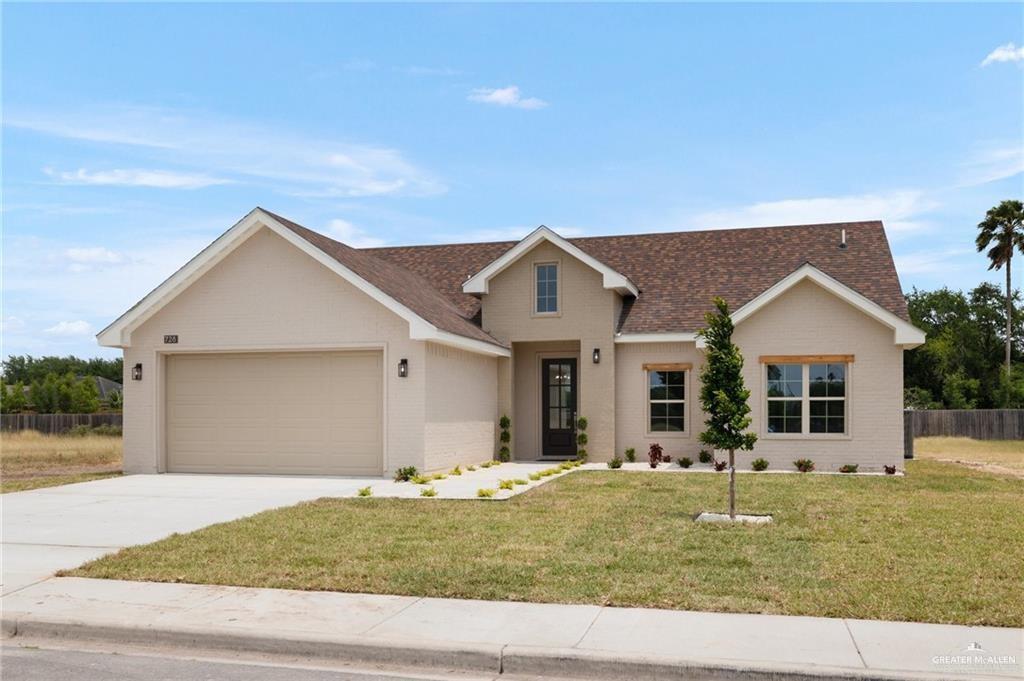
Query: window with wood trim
(807,398)
(546,288)
(666,395)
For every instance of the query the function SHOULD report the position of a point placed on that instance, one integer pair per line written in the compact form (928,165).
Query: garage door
(285,413)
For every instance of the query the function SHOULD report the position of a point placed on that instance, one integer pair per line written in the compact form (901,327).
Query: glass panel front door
(558,413)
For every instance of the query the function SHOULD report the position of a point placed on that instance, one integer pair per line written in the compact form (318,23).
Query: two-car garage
(301,413)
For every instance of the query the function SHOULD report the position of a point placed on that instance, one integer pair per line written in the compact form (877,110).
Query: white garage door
(287,413)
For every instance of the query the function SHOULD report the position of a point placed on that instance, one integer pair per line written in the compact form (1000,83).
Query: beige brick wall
(269,295)
(587,315)
(804,321)
(461,409)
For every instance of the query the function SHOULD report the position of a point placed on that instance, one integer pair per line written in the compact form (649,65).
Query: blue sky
(134,134)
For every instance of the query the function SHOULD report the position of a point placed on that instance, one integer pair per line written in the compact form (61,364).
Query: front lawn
(940,545)
(29,460)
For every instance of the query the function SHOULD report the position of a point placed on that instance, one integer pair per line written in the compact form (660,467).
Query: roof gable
(611,279)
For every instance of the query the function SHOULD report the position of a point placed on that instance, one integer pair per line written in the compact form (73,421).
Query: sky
(134,134)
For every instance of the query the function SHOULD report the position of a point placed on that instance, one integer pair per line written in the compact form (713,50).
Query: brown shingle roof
(404,285)
(678,273)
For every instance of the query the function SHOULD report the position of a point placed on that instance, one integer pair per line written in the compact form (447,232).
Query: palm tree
(1003,226)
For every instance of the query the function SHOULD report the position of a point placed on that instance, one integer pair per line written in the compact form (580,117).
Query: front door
(558,415)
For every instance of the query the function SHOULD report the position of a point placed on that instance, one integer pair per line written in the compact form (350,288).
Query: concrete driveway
(57,528)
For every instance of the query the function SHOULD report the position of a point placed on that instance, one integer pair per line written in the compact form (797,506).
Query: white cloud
(12,324)
(899,210)
(931,262)
(506,96)
(347,233)
(93,255)
(76,328)
(135,177)
(291,163)
(514,233)
(1004,53)
(993,164)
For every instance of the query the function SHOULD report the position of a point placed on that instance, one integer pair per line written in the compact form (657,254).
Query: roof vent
(842,240)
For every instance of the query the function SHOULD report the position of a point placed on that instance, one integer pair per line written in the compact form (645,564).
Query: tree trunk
(1009,314)
(732,485)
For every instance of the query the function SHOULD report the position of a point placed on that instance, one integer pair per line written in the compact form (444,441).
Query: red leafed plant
(654,454)
(720,465)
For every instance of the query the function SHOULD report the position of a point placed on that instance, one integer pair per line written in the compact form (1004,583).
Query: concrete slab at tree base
(708,517)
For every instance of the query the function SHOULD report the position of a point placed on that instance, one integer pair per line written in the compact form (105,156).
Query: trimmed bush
(505,437)
(848,468)
(404,474)
(420,479)
(705,456)
(428,492)
(631,454)
(889,470)
(485,493)
(520,481)
(535,476)
(685,462)
(804,465)
(615,463)
(759,464)
(505,484)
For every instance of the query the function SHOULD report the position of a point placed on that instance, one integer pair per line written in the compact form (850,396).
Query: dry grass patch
(29,460)
(996,456)
(939,545)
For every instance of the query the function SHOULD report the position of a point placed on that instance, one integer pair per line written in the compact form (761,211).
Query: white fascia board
(655,338)
(611,279)
(118,334)
(471,344)
(904,333)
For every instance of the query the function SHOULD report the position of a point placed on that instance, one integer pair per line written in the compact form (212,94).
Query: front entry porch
(546,391)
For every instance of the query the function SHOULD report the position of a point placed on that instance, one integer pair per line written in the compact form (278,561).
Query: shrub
(505,437)
(365,491)
(631,454)
(804,465)
(107,429)
(456,471)
(534,476)
(720,465)
(79,431)
(848,468)
(654,454)
(504,454)
(566,465)
(759,464)
(487,464)
(438,476)
(666,458)
(520,481)
(428,492)
(685,462)
(485,493)
(404,474)
(889,470)
(615,463)
(705,456)
(550,471)
(470,468)
(581,438)
(420,479)
(505,484)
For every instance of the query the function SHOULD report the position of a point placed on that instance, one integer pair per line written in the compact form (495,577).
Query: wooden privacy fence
(56,423)
(980,424)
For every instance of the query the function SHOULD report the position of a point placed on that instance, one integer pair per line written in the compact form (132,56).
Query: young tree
(723,396)
(1003,230)
(85,396)
(12,397)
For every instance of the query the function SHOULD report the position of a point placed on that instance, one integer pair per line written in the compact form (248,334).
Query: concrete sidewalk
(580,641)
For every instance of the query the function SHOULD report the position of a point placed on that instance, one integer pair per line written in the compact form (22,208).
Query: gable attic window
(546,288)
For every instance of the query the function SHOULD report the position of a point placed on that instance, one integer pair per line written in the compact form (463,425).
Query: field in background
(995,456)
(29,460)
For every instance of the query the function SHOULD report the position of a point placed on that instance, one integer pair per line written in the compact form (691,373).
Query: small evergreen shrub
(889,470)
(759,464)
(520,481)
(428,492)
(631,454)
(848,468)
(654,454)
(705,456)
(420,479)
(685,462)
(804,465)
(485,493)
(666,458)
(470,468)
(505,484)
(487,464)
(581,438)
(615,463)
(534,476)
(505,437)
(720,465)
(456,471)
(365,491)
(438,476)
(404,474)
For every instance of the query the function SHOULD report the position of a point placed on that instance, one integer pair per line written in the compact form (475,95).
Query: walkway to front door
(558,415)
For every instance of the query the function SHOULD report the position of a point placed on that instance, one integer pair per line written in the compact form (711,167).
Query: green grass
(942,544)
(25,484)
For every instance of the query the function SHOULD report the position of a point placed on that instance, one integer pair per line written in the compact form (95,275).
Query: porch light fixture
(597,355)
(137,372)
(403,368)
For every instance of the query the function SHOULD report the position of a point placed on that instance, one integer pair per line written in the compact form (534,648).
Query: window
(547,288)
(667,401)
(807,398)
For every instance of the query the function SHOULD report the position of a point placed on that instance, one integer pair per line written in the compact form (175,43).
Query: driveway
(55,528)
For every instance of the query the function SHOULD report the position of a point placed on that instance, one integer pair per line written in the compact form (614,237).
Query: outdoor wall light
(403,368)
(137,372)
(597,355)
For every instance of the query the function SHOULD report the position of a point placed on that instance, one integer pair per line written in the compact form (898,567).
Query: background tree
(723,395)
(1001,232)
(27,369)
(12,397)
(85,396)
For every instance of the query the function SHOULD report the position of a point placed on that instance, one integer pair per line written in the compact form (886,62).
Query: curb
(512,660)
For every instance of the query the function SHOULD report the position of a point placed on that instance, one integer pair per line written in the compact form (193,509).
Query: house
(277,350)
